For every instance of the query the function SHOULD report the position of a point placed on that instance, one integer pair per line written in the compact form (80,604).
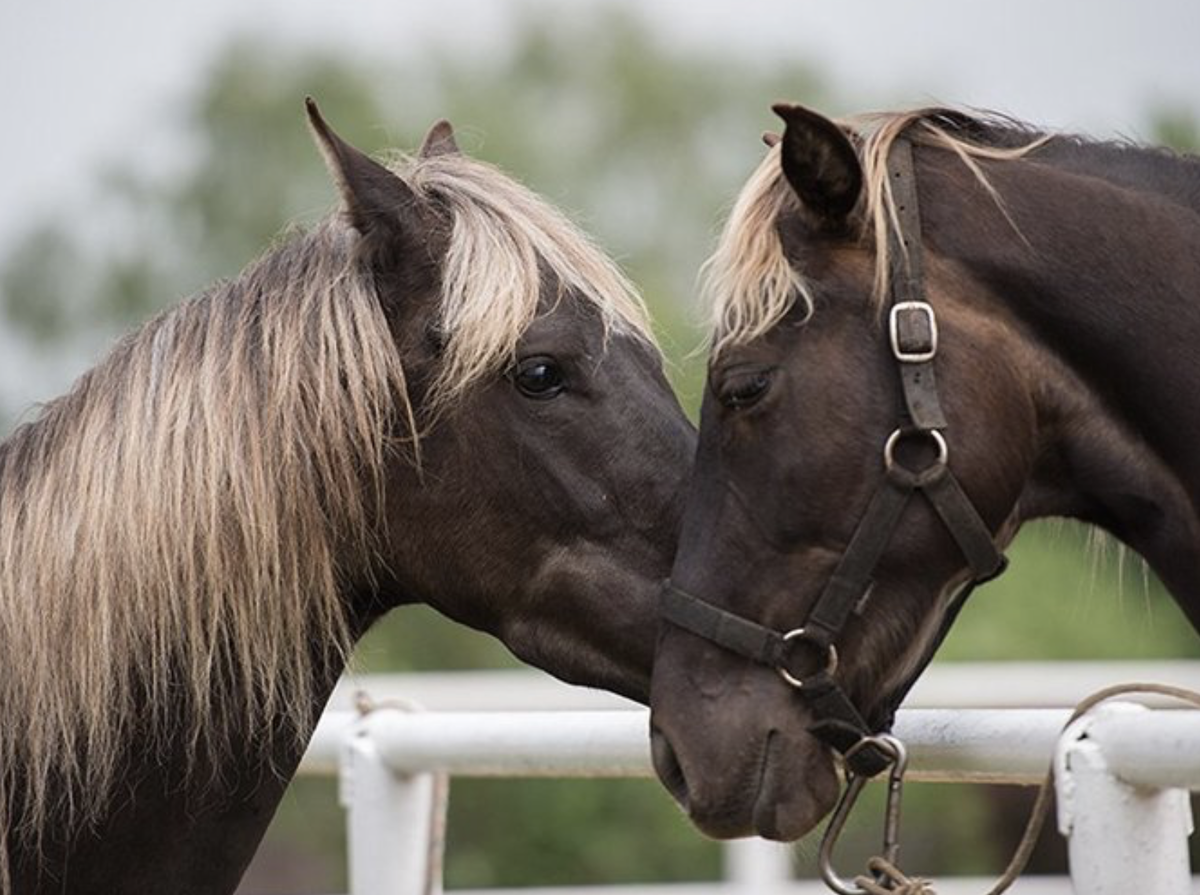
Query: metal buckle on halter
(913,342)
(891,821)
(831,658)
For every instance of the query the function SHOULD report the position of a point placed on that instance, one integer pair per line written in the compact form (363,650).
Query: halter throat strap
(806,657)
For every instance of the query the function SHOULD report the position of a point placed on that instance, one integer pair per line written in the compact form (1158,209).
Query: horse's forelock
(504,240)
(748,282)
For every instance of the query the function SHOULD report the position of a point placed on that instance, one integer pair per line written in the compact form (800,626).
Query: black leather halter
(806,657)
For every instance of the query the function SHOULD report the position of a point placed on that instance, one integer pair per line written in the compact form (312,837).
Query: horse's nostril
(667,766)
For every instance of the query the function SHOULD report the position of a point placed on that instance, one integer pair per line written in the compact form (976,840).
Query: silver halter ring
(889,446)
(831,660)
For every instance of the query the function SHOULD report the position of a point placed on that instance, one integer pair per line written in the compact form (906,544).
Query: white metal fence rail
(1124,772)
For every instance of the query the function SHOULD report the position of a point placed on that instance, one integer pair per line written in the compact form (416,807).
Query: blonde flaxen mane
(503,237)
(748,282)
(176,532)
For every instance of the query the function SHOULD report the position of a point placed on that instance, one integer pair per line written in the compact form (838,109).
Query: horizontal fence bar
(1157,749)
(1154,748)
(944,685)
(966,885)
(966,745)
(515,744)
(1013,746)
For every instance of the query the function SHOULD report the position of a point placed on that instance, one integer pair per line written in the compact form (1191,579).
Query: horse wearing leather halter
(844,495)
(806,657)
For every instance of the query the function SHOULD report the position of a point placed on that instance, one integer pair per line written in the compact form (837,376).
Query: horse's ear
(374,197)
(440,140)
(820,163)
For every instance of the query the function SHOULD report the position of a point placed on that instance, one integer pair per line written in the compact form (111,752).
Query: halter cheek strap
(806,657)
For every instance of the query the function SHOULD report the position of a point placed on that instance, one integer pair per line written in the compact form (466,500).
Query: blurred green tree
(587,108)
(1176,127)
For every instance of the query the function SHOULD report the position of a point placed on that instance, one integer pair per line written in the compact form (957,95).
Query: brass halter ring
(831,660)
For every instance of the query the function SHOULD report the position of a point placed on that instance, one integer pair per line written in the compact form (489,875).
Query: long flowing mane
(177,531)
(748,281)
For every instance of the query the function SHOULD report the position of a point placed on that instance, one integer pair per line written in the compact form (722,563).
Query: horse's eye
(744,387)
(538,377)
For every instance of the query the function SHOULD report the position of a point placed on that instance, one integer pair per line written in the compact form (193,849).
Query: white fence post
(395,822)
(1122,838)
(757,865)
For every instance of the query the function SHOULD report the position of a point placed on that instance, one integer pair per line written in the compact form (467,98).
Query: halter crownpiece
(913,339)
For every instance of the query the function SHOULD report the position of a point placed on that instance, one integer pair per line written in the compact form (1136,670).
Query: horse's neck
(1103,283)
(1109,279)
(1152,171)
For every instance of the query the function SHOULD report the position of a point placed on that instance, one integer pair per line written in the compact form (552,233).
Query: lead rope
(888,879)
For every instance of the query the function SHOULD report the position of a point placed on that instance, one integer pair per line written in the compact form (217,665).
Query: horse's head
(541,498)
(803,394)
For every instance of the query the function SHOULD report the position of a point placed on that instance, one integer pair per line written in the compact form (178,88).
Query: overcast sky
(82,79)
(87,80)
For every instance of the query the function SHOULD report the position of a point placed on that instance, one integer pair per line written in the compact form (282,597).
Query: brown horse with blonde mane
(445,393)
(929,327)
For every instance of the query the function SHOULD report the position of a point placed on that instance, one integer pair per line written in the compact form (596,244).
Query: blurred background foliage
(645,146)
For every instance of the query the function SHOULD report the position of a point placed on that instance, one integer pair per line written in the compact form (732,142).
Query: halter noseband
(913,334)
